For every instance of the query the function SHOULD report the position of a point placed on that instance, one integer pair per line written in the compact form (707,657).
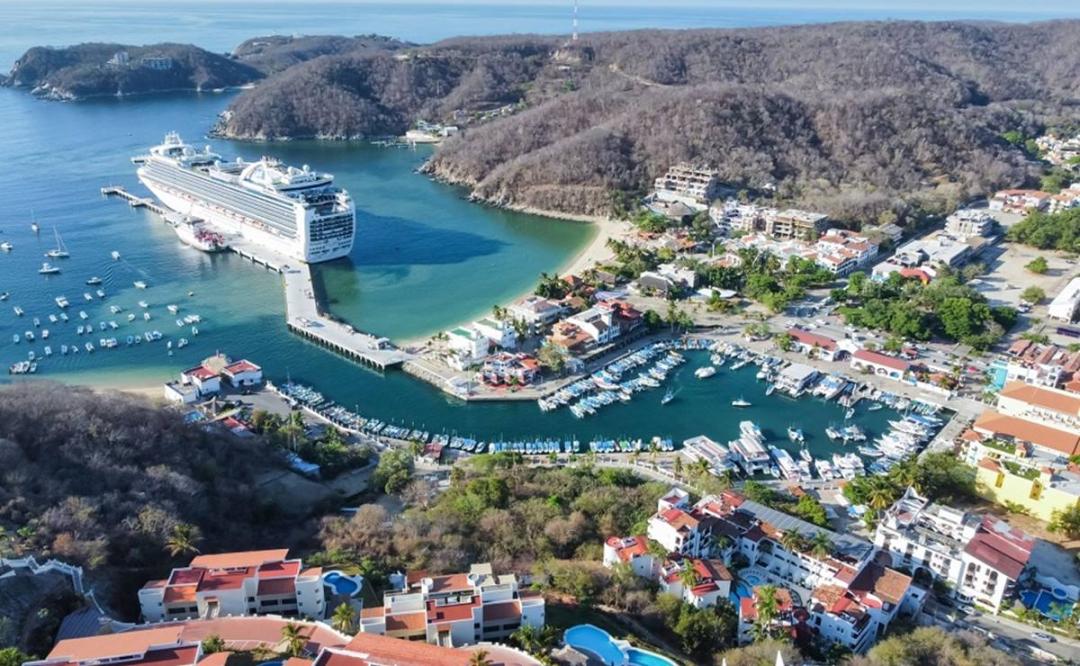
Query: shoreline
(594,252)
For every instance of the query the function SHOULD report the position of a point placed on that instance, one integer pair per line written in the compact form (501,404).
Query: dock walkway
(302,313)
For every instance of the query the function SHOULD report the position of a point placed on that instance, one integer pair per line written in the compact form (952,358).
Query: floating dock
(302,313)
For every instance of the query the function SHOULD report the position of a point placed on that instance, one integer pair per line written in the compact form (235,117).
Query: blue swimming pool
(1044,600)
(341,583)
(596,641)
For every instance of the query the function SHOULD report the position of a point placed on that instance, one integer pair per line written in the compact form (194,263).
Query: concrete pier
(133,201)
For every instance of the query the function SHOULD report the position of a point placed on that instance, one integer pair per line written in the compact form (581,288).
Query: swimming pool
(1043,600)
(341,584)
(596,641)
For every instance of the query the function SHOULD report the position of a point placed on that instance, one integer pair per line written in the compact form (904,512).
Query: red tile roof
(249,558)
(996,423)
(1001,547)
(92,648)
(277,586)
(415,621)
(1057,401)
(630,547)
(881,359)
(241,366)
(504,610)
(395,652)
(201,373)
(811,339)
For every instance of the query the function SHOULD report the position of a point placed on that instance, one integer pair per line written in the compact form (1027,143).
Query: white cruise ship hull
(229,226)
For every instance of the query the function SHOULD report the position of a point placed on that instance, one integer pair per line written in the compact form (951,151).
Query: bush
(1038,265)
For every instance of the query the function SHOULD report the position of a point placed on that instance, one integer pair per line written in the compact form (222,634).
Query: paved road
(1010,635)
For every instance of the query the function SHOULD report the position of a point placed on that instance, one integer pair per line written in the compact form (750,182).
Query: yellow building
(1040,491)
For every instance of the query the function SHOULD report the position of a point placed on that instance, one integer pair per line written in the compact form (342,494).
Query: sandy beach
(596,251)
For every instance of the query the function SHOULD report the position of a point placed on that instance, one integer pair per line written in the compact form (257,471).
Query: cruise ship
(298,213)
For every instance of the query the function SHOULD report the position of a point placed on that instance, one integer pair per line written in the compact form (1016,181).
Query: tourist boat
(668,397)
(48,269)
(115,255)
(62,301)
(6,246)
(59,252)
(94,280)
(17,310)
(870,452)
(705,372)
(741,402)
(139,284)
(795,434)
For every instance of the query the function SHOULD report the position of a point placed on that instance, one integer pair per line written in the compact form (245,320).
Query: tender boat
(741,402)
(139,284)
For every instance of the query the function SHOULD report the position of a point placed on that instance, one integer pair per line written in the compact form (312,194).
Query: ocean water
(425,257)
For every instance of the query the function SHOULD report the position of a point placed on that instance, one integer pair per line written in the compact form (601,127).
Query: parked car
(1040,636)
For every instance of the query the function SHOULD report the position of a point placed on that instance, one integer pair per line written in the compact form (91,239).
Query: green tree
(820,545)
(292,635)
(394,471)
(1066,521)
(11,656)
(183,540)
(552,357)
(344,619)
(213,643)
(1038,265)
(784,341)
(1033,295)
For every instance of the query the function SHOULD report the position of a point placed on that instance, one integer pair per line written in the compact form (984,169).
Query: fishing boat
(93,281)
(48,269)
(705,372)
(59,252)
(741,402)
(115,255)
(61,301)
(139,284)
(668,396)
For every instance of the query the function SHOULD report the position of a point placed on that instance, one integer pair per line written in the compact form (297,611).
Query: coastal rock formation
(89,70)
(276,53)
(856,118)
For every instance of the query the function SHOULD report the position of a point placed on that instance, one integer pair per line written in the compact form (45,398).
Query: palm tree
(879,496)
(793,541)
(294,638)
(689,575)
(344,619)
(526,638)
(183,539)
(767,606)
(479,658)
(820,545)
(906,473)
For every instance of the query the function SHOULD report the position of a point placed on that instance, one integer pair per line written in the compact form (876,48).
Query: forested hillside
(855,118)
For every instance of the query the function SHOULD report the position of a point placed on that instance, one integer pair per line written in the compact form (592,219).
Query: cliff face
(89,70)
(853,118)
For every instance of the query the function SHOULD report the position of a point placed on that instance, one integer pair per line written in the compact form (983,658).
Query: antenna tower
(574,37)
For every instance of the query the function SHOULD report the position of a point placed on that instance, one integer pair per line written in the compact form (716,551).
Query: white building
(456,609)
(694,186)
(1065,305)
(500,332)
(842,251)
(970,222)
(243,373)
(632,551)
(535,311)
(468,347)
(245,583)
(598,323)
(980,558)
(711,580)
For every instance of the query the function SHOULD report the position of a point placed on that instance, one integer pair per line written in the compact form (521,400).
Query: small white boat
(741,402)
(48,269)
(4,296)
(93,281)
(44,334)
(89,346)
(63,350)
(86,295)
(182,343)
(179,323)
(143,304)
(131,316)
(15,338)
(100,293)
(173,309)
(115,309)
(705,372)
(194,330)
(83,315)
(62,301)
(29,335)
(37,322)
(115,255)
(48,350)
(63,316)
(53,319)
(146,316)
(6,246)
(139,284)
(17,310)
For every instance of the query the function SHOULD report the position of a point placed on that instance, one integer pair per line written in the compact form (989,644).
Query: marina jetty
(303,313)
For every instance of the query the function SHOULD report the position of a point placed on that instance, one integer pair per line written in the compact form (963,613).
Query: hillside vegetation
(103,480)
(276,53)
(854,118)
(81,71)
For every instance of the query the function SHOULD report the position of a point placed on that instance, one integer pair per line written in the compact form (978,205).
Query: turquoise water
(340,583)
(598,642)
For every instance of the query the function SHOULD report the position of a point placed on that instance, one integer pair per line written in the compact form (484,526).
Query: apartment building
(809,343)
(701,583)
(794,223)
(467,347)
(1041,489)
(535,311)
(1040,404)
(980,558)
(970,222)
(693,185)
(1042,365)
(1019,201)
(243,583)
(1066,304)
(164,646)
(456,609)
(842,251)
